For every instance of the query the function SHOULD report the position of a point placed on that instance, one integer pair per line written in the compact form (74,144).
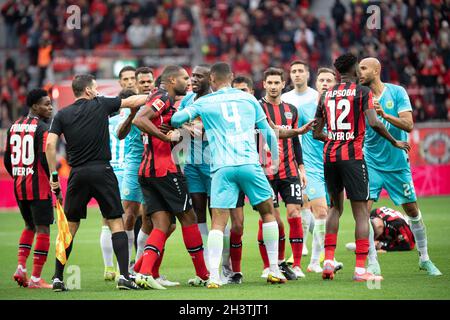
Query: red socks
(194,245)
(296,239)
(155,270)
(25,243)
(362,250)
(40,253)
(236,251)
(153,248)
(330,245)
(262,247)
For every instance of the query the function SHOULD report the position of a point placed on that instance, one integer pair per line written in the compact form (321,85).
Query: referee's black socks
(59,267)
(120,246)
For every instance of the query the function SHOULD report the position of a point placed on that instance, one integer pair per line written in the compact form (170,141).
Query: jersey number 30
(22,149)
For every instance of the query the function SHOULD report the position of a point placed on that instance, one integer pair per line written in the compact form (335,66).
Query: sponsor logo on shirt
(288,115)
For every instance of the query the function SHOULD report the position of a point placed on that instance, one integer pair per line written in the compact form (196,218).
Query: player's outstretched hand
(307,127)
(174,135)
(402,145)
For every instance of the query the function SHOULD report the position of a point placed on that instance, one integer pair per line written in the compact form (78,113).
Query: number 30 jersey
(25,158)
(343,108)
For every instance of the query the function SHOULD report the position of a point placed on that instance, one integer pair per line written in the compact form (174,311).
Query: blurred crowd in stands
(412,41)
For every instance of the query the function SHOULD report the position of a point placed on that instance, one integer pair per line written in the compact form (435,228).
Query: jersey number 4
(234,117)
(343,105)
(22,149)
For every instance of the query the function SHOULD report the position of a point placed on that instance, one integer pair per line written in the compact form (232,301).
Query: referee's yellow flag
(64,237)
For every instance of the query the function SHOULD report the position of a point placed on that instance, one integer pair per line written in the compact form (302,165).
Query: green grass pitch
(403,280)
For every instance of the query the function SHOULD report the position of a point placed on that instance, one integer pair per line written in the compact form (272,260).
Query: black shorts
(351,175)
(168,193)
(289,189)
(36,212)
(92,180)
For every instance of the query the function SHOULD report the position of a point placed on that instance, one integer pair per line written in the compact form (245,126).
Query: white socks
(215,247)
(141,240)
(372,257)
(318,240)
(270,238)
(130,234)
(307,216)
(226,246)
(203,227)
(420,235)
(107,247)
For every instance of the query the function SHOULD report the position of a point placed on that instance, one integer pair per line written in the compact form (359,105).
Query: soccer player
(388,167)
(302,97)
(84,125)
(235,164)
(392,232)
(343,108)
(313,159)
(127,81)
(163,185)
(286,181)
(25,161)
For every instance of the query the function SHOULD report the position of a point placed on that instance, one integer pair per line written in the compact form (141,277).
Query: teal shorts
(315,186)
(228,181)
(399,185)
(130,189)
(198,178)
(119,175)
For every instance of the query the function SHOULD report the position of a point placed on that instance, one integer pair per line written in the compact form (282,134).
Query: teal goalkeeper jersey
(229,117)
(198,150)
(118,147)
(306,105)
(380,153)
(135,146)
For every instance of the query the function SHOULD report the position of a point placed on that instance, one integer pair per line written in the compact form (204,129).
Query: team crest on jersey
(158,104)
(390,104)
(288,115)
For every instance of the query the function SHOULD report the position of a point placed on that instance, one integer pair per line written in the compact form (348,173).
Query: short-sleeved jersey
(284,115)
(305,100)
(379,152)
(343,108)
(119,148)
(85,126)
(157,160)
(134,146)
(198,150)
(397,234)
(229,117)
(25,158)
(312,148)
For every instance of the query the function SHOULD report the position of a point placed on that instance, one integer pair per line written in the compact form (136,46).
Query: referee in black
(84,125)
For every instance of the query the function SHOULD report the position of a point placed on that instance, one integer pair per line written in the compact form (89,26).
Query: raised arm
(404,121)
(134,101)
(181,117)
(125,127)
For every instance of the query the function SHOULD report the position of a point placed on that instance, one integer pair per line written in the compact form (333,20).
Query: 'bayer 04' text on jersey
(379,152)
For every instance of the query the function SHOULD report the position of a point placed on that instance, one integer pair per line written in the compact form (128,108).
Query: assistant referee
(84,125)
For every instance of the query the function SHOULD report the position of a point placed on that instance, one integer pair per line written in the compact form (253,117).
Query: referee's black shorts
(168,193)
(349,174)
(95,179)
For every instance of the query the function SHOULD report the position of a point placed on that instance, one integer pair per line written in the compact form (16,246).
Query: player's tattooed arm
(379,127)
(143,121)
(125,127)
(404,121)
(318,133)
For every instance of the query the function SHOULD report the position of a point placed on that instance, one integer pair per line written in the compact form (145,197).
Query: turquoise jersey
(135,146)
(306,105)
(118,147)
(198,150)
(229,117)
(379,152)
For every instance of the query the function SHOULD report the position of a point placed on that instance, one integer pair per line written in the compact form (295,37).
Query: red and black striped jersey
(343,108)
(157,160)
(397,235)
(284,115)
(25,158)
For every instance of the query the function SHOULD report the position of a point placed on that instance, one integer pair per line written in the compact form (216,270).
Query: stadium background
(412,43)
